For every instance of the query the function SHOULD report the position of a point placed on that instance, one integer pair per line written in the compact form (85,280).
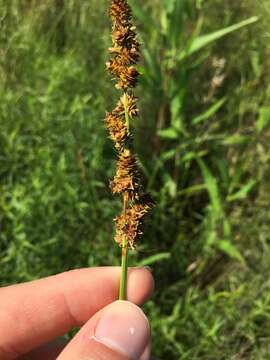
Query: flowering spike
(125,54)
(126,182)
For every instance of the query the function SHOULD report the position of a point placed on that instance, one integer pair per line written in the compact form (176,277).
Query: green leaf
(170,185)
(235,139)
(209,112)
(142,15)
(176,110)
(154,258)
(167,155)
(191,155)
(169,133)
(263,119)
(204,40)
(212,188)
(192,190)
(228,248)
(150,70)
(243,192)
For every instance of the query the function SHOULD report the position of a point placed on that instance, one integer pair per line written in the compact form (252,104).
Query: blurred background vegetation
(202,142)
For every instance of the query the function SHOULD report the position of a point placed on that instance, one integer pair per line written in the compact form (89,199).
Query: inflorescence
(125,53)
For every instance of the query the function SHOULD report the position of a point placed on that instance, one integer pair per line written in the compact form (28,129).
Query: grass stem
(126,111)
(124,266)
(124,270)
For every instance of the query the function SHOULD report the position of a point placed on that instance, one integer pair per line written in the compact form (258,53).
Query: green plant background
(203,146)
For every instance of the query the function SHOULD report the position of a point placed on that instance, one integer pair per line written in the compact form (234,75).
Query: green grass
(203,146)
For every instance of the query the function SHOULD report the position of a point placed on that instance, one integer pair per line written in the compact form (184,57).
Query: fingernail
(148,268)
(124,327)
(144,267)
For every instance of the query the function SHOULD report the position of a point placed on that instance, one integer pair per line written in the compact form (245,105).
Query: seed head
(117,128)
(125,53)
(127,176)
(125,49)
(125,56)
(129,224)
(130,101)
(120,11)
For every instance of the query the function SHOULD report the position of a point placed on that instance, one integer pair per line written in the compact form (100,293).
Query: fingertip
(120,331)
(140,285)
(147,353)
(124,327)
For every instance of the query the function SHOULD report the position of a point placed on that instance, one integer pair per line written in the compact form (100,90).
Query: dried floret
(130,102)
(125,49)
(120,11)
(127,175)
(129,224)
(117,128)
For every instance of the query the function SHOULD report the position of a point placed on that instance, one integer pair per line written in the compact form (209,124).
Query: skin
(34,315)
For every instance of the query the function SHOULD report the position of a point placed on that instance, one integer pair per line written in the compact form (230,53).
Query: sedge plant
(125,53)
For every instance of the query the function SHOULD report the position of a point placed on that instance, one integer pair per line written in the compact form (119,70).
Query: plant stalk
(125,103)
(124,266)
(123,282)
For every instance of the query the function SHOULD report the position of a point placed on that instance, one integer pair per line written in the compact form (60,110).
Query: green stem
(126,110)
(123,282)
(124,270)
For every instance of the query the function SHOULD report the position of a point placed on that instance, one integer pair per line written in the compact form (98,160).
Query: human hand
(34,314)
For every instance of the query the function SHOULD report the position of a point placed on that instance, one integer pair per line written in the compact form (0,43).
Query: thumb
(120,331)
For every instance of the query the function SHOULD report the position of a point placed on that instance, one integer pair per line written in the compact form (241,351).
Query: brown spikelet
(129,225)
(127,78)
(127,176)
(126,75)
(125,49)
(120,11)
(117,128)
(125,37)
(124,56)
(132,107)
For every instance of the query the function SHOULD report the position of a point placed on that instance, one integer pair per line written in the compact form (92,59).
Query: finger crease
(8,353)
(72,318)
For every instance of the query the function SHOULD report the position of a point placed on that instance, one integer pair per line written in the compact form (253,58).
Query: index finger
(36,312)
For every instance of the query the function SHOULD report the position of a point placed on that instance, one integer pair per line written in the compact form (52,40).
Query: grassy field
(203,146)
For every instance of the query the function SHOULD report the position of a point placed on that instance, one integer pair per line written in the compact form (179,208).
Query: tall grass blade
(204,40)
